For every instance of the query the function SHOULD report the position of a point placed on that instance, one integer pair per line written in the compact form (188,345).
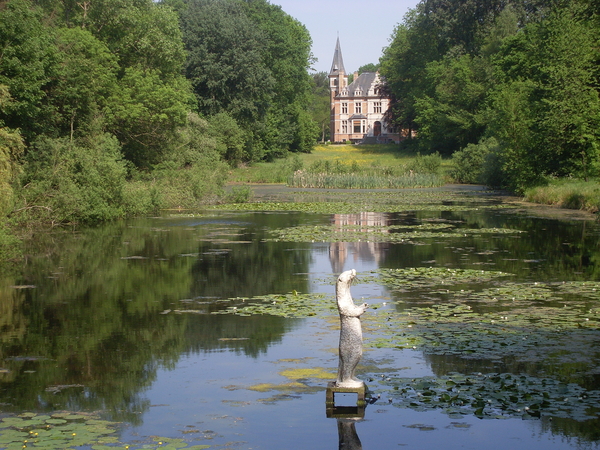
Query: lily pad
(494,395)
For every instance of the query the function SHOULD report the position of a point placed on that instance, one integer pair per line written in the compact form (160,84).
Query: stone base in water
(349,411)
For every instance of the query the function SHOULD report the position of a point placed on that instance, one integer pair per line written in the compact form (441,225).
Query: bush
(11,149)
(478,164)
(239,194)
(426,164)
(68,181)
(192,174)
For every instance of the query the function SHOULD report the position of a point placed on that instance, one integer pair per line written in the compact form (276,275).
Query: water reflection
(348,436)
(363,251)
(83,323)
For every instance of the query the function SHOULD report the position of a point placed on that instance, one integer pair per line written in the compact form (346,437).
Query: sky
(364,27)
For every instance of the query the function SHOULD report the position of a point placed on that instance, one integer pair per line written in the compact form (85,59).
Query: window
(358,108)
(377,107)
(357,126)
(344,108)
(344,127)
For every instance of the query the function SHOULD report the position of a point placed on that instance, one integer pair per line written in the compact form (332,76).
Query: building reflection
(340,252)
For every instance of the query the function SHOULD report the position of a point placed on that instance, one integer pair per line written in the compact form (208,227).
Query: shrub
(478,164)
(239,194)
(68,181)
(192,174)
(423,164)
(11,148)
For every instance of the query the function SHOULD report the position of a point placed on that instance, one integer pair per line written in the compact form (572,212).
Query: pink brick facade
(357,109)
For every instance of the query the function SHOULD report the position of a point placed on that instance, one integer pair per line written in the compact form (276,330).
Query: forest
(113,108)
(508,88)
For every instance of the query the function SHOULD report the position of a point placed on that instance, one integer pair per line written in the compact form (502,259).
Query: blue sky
(364,27)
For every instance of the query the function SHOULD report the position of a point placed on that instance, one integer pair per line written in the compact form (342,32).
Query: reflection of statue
(347,435)
(350,333)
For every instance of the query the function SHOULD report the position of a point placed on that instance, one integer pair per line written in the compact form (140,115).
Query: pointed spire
(338,62)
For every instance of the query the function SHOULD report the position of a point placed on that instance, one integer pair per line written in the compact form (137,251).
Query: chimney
(356,75)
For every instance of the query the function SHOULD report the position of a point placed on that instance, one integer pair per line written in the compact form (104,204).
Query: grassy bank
(348,166)
(571,194)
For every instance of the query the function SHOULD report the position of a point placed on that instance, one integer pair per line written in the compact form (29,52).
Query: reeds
(363,180)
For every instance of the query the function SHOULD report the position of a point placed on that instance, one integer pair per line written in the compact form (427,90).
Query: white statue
(350,333)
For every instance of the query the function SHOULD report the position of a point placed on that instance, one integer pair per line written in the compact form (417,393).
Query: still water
(122,320)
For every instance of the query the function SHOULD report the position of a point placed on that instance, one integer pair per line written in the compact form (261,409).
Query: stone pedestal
(345,411)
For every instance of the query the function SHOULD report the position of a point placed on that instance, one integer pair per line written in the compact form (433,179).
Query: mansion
(357,109)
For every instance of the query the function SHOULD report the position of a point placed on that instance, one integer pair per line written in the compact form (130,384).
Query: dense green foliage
(250,60)
(522,73)
(119,107)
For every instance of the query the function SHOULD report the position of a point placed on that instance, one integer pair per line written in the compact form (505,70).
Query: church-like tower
(357,112)
(337,81)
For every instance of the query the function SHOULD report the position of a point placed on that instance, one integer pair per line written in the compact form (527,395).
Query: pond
(219,329)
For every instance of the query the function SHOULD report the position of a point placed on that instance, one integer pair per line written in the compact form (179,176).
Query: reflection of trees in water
(547,248)
(91,335)
(252,267)
(247,270)
(364,251)
(248,335)
(586,432)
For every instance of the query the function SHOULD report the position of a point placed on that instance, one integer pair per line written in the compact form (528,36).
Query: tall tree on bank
(521,72)
(550,72)
(288,57)
(249,59)
(430,57)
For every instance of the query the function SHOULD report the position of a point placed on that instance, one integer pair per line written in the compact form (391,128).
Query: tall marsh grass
(417,172)
(571,194)
(363,180)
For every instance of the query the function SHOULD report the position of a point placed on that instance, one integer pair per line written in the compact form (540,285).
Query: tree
(140,33)
(85,77)
(225,60)
(28,56)
(550,71)
(370,67)
(434,40)
(320,105)
(250,60)
(452,116)
(11,149)
(288,57)
(145,113)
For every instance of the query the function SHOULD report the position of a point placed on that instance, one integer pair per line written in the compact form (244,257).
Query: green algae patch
(312,372)
(286,387)
(420,277)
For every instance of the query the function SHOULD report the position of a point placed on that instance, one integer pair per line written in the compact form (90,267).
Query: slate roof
(362,83)
(337,65)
